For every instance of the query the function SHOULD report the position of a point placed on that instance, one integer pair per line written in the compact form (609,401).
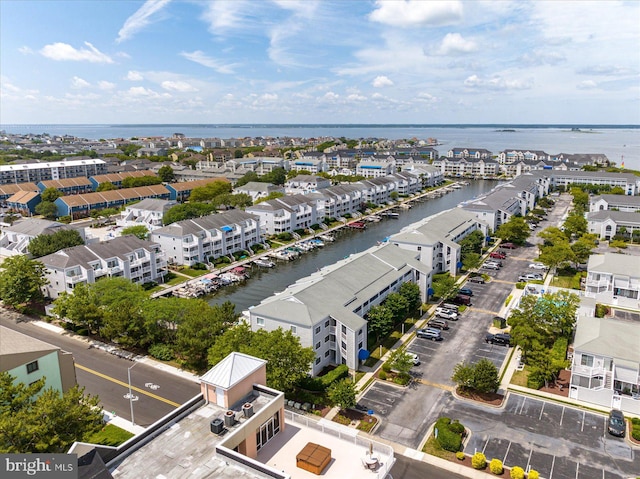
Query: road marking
(483,311)
(577,469)
(529,459)
(485,446)
(435,385)
(541,411)
(562,415)
(126,385)
(553,464)
(582,428)
(522,407)
(504,460)
(493,280)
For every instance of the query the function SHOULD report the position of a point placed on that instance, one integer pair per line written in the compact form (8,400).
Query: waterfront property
(15,238)
(340,200)
(436,238)
(478,153)
(627,181)
(148,212)
(129,257)
(28,359)
(605,368)
(303,184)
(514,156)
(55,170)
(201,240)
(287,214)
(327,309)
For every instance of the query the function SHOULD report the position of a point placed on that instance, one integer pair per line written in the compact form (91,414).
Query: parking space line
(435,385)
(562,415)
(553,462)
(577,469)
(583,414)
(541,411)
(485,446)
(529,459)
(524,399)
(504,459)
(478,310)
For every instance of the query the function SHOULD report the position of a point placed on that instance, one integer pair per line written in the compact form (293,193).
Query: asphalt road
(105,375)
(406,468)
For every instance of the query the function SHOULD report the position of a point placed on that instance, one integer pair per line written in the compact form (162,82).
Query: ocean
(621,143)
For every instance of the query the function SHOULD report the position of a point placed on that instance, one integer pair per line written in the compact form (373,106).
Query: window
(294,330)
(326,323)
(318,330)
(318,345)
(260,321)
(360,332)
(326,339)
(360,345)
(344,345)
(326,354)
(317,360)
(344,329)
(32,367)
(586,360)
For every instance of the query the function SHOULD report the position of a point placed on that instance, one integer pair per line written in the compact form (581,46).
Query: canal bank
(264,282)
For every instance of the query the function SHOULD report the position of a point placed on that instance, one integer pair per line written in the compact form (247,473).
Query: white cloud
(497,83)
(181,86)
(607,70)
(133,75)
(65,52)
(427,98)
(222,15)
(142,92)
(381,81)
(203,59)
(543,57)
(330,97)
(455,44)
(356,97)
(77,82)
(106,85)
(25,50)
(408,13)
(140,19)
(587,85)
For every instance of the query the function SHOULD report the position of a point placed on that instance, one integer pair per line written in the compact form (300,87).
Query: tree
(582,248)
(380,320)
(471,261)
(472,243)
(166,174)
(444,285)
(575,224)
(342,393)
(82,307)
(277,176)
(187,211)
(21,281)
(271,196)
(556,255)
(50,194)
(552,235)
(485,376)
(45,244)
(47,209)
(136,181)
(394,195)
(247,177)
(106,186)
(398,305)
(580,198)
(210,191)
(516,230)
(38,420)
(140,231)
(400,361)
(411,292)
(463,375)
(164,316)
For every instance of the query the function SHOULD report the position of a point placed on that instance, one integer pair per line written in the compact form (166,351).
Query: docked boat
(264,263)
(394,216)
(327,238)
(374,218)
(316,242)
(358,225)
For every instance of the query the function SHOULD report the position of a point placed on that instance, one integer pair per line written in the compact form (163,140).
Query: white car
(413,357)
(537,266)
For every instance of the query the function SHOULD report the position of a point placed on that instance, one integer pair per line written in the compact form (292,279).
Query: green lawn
(193,273)
(110,436)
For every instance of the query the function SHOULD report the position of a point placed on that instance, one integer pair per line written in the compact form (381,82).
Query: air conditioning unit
(217,426)
(229,418)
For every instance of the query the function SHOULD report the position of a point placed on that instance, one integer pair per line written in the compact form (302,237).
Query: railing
(597,282)
(588,370)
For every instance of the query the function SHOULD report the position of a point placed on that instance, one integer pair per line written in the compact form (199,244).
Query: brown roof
(114,195)
(22,197)
(67,182)
(113,177)
(15,187)
(190,185)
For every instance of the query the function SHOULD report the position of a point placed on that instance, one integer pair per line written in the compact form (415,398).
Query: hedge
(635,431)
(448,436)
(321,383)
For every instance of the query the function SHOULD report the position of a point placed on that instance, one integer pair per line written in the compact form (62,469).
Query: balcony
(587,370)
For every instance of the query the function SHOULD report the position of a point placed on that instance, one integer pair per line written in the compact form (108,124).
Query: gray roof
(622,200)
(590,175)
(613,338)
(34,226)
(14,342)
(619,217)
(257,186)
(204,223)
(153,204)
(439,227)
(231,370)
(614,263)
(82,255)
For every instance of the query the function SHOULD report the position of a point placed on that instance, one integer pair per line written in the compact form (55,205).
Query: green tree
(463,375)
(444,285)
(140,231)
(187,211)
(50,194)
(238,154)
(136,181)
(411,292)
(580,199)
(47,209)
(380,320)
(210,191)
(277,176)
(106,186)
(400,361)
(516,230)
(247,177)
(45,244)
(21,281)
(398,305)
(472,243)
(164,316)
(38,420)
(82,307)
(485,376)
(575,224)
(471,261)
(166,174)
(556,255)
(271,196)
(582,248)
(342,393)
(394,195)
(552,235)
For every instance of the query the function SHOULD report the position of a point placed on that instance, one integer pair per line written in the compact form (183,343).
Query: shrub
(382,375)
(336,374)
(495,466)
(386,367)
(635,430)
(460,455)
(448,439)
(601,310)
(199,266)
(508,300)
(456,427)
(479,461)
(82,332)
(517,473)
(161,351)
(535,380)
(402,379)
(533,474)
(520,285)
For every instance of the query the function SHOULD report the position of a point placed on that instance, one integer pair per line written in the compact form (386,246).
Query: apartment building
(303,184)
(614,279)
(15,239)
(626,203)
(607,224)
(55,170)
(148,212)
(340,200)
(627,181)
(116,178)
(287,214)
(68,186)
(514,156)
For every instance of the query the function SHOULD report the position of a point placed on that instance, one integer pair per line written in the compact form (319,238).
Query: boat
(394,216)
(405,206)
(327,238)
(316,242)
(358,225)
(264,263)
(373,218)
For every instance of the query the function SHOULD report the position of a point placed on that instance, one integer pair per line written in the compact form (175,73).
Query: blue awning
(226,229)
(363,354)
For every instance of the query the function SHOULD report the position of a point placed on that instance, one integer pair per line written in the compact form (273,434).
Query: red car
(508,245)
(497,255)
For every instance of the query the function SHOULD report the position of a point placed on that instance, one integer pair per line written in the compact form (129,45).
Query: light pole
(133,423)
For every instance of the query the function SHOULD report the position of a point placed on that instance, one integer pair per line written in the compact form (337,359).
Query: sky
(307,61)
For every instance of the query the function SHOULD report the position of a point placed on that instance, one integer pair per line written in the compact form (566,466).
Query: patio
(347,450)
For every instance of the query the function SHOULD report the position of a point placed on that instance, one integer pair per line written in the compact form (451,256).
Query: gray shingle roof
(613,338)
(205,223)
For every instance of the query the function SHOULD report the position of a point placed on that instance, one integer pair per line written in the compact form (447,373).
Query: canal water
(264,282)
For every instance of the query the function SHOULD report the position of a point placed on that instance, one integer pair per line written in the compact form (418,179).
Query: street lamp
(133,423)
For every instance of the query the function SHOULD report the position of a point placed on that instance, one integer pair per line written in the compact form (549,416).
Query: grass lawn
(519,378)
(432,447)
(110,436)
(388,342)
(193,273)
(176,280)
(570,281)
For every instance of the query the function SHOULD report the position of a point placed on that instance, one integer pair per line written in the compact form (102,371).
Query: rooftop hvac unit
(229,418)
(247,409)
(217,426)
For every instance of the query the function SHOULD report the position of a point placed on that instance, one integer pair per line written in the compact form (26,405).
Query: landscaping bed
(493,399)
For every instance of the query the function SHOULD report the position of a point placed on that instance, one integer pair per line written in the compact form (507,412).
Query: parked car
(452,307)
(476,279)
(495,261)
(616,425)
(508,245)
(537,266)
(462,299)
(498,338)
(465,291)
(530,277)
(493,266)
(438,323)
(429,333)
(445,309)
(414,358)
(497,255)
(453,316)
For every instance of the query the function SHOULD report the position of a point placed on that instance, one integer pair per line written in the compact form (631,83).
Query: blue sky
(345,61)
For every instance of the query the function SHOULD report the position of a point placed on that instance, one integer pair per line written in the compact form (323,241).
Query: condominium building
(55,170)
(287,214)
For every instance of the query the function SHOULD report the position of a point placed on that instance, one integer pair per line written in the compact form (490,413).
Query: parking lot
(556,440)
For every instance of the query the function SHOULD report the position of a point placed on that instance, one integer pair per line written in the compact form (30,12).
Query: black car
(616,425)
(499,338)
(466,291)
(476,279)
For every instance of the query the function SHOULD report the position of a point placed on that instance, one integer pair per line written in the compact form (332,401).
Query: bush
(82,332)
(517,473)
(382,375)
(601,310)
(495,466)
(200,266)
(508,300)
(386,367)
(336,374)
(533,474)
(479,461)
(456,427)
(520,285)
(448,439)
(460,456)
(161,351)
(635,430)
(535,380)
